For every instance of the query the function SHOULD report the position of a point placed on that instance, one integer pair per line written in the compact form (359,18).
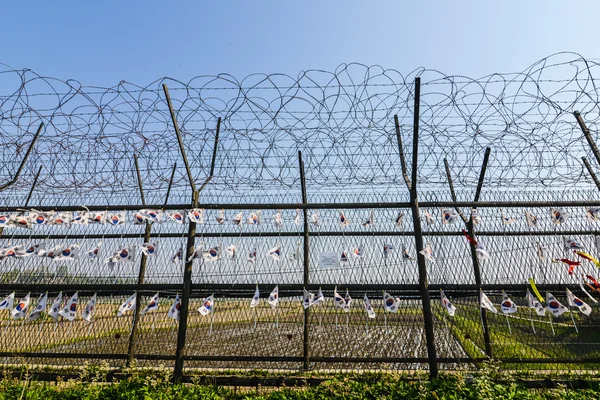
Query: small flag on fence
(123,255)
(572,244)
(117,218)
(507,306)
(278,219)
(275,252)
(252,256)
(207,306)
(390,303)
(196,215)
(399,220)
(273,299)
(344,222)
(531,219)
(338,300)
(90,308)
(127,305)
(256,298)
(55,308)
(370,312)
(148,249)
(21,309)
(428,253)
(558,215)
(506,220)
(447,304)
(69,312)
(39,309)
(151,306)
(370,220)
(177,216)
(593,214)
(449,216)
(174,310)
(95,252)
(554,306)
(231,250)
(297,217)
(212,254)
(8,301)
(221,218)
(485,302)
(576,302)
(238,218)
(319,298)
(429,218)
(151,215)
(308,298)
(254,218)
(534,303)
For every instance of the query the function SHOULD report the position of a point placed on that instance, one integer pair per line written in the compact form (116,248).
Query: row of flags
(553,305)
(58,308)
(127,253)
(68,308)
(557,216)
(448,216)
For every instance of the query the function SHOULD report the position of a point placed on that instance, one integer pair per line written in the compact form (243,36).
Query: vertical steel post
(588,135)
(185,296)
(591,172)
(306,274)
(170,184)
(16,177)
(470,231)
(476,270)
(187,275)
(35,179)
(416,216)
(141,273)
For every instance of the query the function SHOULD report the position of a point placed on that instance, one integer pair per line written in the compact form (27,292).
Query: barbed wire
(342,121)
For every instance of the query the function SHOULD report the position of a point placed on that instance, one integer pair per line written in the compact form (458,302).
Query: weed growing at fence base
(91,385)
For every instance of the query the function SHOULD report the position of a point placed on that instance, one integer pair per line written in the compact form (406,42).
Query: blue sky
(101,43)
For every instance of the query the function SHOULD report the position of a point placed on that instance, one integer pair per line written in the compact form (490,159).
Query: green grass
(488,383)
(522,342)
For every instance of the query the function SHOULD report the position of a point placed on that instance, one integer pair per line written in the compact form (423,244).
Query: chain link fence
(348,228)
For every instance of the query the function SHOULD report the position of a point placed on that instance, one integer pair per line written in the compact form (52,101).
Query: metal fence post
(16,177)
(18,173)
(588,135)
(143,262)
(470,231)
(306,271)
(414,205)
(591,172)
(187,275)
